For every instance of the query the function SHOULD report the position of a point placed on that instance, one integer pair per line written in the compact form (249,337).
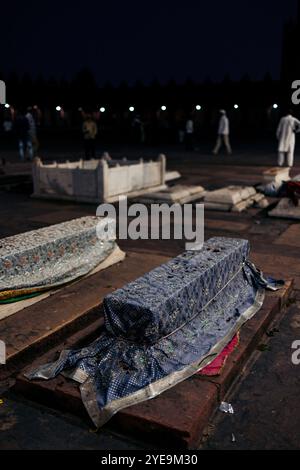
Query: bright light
(198,107)
(275,106)
(58,108)
(102,109)
(7,106)
(236,106)
(131,109)
(163,108)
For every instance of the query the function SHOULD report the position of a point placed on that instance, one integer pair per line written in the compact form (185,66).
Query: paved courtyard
(265,399)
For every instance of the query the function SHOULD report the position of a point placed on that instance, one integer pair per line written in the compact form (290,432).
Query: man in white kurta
(223,134)
(286,130)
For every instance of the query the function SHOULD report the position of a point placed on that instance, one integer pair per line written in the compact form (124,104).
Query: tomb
(99,181)
(164,327)
(35,264)
(234,198)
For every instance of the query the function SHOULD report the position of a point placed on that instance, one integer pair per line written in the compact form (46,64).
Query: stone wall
(97,180)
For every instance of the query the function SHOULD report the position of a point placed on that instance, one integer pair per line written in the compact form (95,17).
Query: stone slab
(262,203)
(285,209)
(242,206)
(181,194)
(134,194)
(258,200)
(230,194)
(248,192)
(172,176)
(258,197)
(276,175)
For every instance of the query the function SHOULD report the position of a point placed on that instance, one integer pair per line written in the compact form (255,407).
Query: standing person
(90,130)
(223,134)
(189,134)
(23,134)
(32,130)
(287,128)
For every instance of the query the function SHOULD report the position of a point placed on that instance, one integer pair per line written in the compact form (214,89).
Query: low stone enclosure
(98,181)
(104,180)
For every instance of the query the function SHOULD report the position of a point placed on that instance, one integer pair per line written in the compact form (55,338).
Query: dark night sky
(142,40)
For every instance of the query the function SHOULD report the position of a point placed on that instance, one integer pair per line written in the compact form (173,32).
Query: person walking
(32,130)
(223,134)
(286,135)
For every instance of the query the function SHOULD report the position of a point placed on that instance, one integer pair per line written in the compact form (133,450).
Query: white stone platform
(98,181)
(277,175)
(286,209)
(180,194)
(234,198)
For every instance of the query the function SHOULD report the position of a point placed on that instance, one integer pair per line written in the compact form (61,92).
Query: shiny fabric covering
(52,256)
(165,326)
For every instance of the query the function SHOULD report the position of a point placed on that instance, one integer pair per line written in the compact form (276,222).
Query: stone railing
(98,180)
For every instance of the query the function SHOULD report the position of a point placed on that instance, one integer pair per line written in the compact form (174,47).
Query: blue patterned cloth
(54,255)
(165,326)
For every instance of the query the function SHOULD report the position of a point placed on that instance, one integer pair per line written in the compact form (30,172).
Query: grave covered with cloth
(165,327)
(41,260)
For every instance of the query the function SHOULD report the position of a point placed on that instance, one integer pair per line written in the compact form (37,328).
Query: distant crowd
(24,125)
